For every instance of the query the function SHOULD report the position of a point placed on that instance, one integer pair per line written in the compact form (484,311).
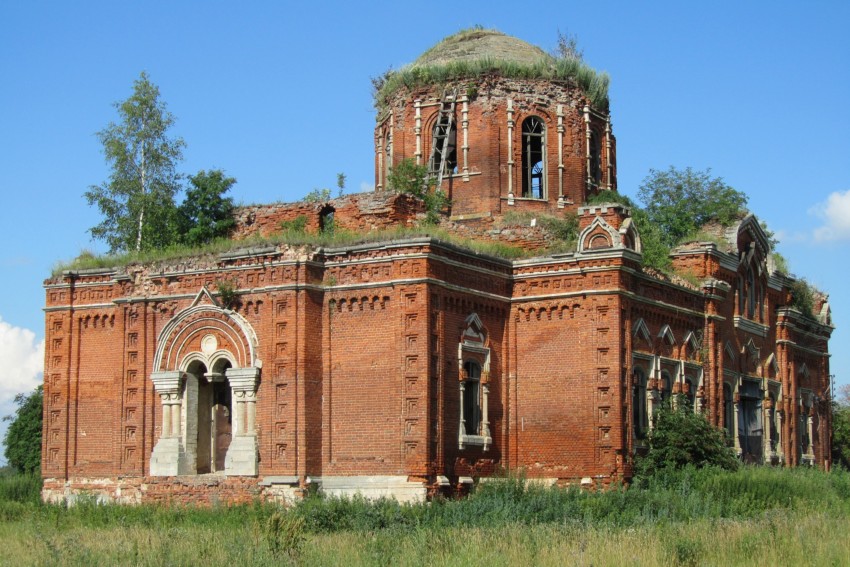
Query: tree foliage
(679,438)
(407,177)
(656,254)
(23,438)
(205,213)
(841,427)
(137,202)
(680,202)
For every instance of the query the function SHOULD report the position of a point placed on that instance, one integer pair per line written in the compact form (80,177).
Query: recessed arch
(180,340)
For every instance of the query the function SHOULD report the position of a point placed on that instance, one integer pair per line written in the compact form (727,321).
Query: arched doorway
(210,426)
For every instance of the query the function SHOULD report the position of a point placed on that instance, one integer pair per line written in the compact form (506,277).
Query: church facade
(414,366)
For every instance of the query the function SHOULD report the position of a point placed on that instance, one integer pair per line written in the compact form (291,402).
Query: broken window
(666,387)
(594,162)
(728,411)
(473,378)
(533,155)
(750,427)
(471,397)
(690,392)
(444,150)
(639,417)
(774,430)
(326,219)
(751,293)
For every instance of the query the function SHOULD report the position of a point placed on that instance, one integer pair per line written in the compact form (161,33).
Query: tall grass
(594,84)
(292,237)
(689,517)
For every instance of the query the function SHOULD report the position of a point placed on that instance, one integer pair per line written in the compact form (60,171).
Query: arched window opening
(639,417)
(444,147)
(774,430)
(326,219)
(805,437)
(690,392)
(751,293)
(471,397)
(533,158)
(666,387)
(728,411)
(595,162)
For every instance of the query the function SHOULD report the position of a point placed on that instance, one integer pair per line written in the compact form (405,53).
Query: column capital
(243,379)
(167,382)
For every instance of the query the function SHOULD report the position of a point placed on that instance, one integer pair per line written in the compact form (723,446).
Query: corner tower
(501,125)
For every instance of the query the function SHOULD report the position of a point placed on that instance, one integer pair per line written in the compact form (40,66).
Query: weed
(227,291)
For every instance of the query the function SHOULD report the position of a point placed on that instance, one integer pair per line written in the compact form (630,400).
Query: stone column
(485,396)
(462,430)
(241,457)
(167,456)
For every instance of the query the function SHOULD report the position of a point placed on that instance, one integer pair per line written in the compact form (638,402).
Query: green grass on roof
(471,64)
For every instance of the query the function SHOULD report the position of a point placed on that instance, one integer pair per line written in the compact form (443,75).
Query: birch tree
(137,201)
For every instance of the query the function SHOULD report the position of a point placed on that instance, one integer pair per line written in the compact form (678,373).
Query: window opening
(666,387)
(751,294)
(750,427)
(639,417)
(326,219)
(805,440)
(533,144)
(471,397)
(774,431)
(690,394)
(445,132)
(595,163)
(728,411)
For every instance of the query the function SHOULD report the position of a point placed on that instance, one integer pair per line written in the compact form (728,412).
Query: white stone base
(165,457)
(241,458)
(372,487)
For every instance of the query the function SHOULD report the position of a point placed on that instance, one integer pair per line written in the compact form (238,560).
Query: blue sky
(278,96)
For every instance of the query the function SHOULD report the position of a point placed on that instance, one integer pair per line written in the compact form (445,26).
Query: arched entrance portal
(206,374)
(214,414)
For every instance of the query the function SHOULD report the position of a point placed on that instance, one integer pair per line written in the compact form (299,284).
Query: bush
(680,437)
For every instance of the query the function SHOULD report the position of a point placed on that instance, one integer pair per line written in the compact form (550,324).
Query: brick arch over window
(183,336)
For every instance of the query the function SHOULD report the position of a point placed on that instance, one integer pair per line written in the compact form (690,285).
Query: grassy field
(750,517)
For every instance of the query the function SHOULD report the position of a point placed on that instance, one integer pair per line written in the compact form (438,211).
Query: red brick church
(406,367)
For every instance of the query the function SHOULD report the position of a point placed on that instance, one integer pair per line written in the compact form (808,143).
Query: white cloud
(835,213)
(23,361)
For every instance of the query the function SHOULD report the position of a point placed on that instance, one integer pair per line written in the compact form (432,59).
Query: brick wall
(358,351)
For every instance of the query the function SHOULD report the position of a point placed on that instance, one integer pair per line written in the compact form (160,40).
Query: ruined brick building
(413,365)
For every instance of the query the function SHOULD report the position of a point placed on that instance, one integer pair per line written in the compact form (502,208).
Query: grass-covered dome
(476,44)
(478,52)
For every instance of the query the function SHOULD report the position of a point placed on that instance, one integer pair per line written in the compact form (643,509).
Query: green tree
(681,437)
(841,427)
(656,254)
(23,438)
(137,202)
(680,202)
(205,213)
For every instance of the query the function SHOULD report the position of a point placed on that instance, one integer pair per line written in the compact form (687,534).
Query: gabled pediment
(204,297)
